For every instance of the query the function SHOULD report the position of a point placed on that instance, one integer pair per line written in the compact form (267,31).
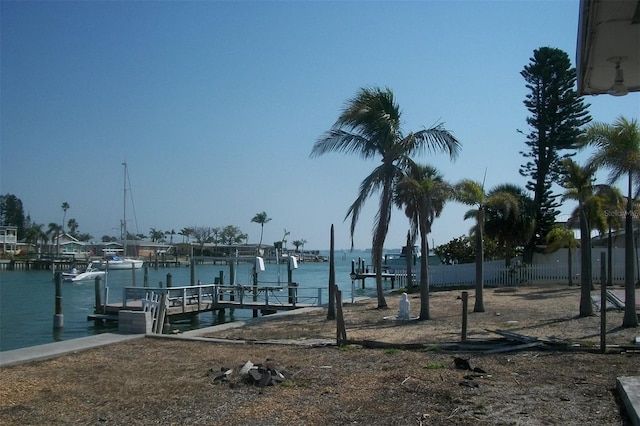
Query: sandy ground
(170,380)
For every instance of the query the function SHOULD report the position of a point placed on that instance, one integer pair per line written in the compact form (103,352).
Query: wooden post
(255,290)
(603,303)
(133,275)
(232,272)
(99,308)
(331,308)
(341,331)
(192,265)
(170,280)
(146,275)
(58,317)
(465,301)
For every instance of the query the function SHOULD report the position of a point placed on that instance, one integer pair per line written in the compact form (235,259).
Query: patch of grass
(347,347)
(433,349)
(435,365)
(392,351)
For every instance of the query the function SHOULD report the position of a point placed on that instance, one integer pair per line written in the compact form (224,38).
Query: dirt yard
(563,381)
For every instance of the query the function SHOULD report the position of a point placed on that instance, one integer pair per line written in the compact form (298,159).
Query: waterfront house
(8,239)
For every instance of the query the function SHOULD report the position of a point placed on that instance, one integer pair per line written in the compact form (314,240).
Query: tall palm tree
(73,226)
(618,149)
(578,182)
(613,203)
(156,235)
(34,234)
(65,207)
(54,232)
(509,218)
(186,233)
(472,193)
(369,126)
(504,206)
(422,193)
(562,237)
(261,218)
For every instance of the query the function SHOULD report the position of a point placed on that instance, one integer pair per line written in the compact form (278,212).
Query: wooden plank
(514,348)
(515,336)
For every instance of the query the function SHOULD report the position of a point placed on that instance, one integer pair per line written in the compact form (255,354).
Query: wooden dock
(188,301)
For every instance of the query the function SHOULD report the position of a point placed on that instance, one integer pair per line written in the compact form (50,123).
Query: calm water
(27,297)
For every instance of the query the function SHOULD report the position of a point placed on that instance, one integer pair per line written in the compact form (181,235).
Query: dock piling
(58,317)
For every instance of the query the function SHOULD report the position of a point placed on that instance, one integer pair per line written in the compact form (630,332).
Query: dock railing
(209,296)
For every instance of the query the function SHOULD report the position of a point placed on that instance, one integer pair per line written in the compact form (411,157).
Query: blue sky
(215,106)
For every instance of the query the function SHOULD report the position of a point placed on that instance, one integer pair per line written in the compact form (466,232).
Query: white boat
(111,260)
(89,273)
(398,261)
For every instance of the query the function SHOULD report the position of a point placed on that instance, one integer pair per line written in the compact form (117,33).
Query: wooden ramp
(617,296)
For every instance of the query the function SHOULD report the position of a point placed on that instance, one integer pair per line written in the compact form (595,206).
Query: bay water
(27,297)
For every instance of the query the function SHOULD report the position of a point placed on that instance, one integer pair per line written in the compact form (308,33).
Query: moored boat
(114,262)
(89,273)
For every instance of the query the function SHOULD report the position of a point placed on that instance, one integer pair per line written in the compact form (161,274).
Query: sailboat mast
(124,212)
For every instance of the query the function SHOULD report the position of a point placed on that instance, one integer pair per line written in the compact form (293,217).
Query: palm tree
(471,193)
(613,203)
(562,237)
(261,218)
(369,126)
(509,218)
(156,235)
(65,207)
(186,233)
(297,244)
(618,149)
(54,232)
(500,209)
(578,182)
(34,234)
(422,193)
(73,226)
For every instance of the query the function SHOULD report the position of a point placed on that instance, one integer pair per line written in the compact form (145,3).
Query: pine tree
(557,115)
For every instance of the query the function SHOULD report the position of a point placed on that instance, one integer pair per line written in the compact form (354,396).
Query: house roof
(608,30)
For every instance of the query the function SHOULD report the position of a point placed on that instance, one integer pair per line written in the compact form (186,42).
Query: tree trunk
(586,307)
(331,311)
(378,240)
(570,266)
(479,303)
(424,276)
(630,317)
(409,259)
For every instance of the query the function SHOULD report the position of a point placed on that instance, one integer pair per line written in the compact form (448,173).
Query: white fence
(551,268)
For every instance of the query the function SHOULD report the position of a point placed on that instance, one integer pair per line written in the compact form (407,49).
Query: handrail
(215,293)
